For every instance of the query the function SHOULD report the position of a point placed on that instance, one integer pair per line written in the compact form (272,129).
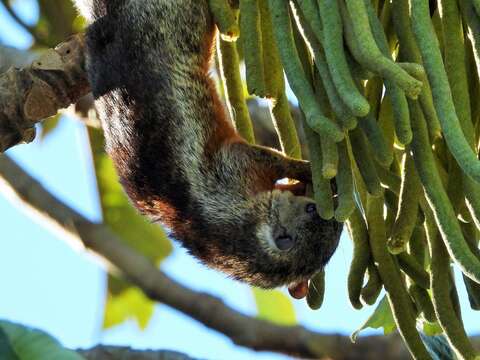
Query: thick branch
(31,94)
(101,352)
(243,330)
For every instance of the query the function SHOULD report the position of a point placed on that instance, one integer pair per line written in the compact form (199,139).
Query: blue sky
(47,284)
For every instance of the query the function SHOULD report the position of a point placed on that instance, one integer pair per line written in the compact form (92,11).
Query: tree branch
(101,352)
(54,81)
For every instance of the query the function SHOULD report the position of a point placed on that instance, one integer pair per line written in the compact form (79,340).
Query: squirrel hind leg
(279,166)
(298,170)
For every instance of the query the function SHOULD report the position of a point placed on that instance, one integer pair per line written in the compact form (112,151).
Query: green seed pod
(438,199)
(373,92)
(373,287)
(316,291)
(422,302)
(399,102)
(361,257)
(321,186)
(364,161)
(344,180)
(417,244)
(386,124)
(273,71)
(476,4)
(237,106)
(309,10)
(410,192)
(442,301)
(275,88)
(391,202)
(398,297)
(376,139)
(341,112)
(473,291)
(252,46)
(413,269)
(414,69)
(225,19)
(472,234)
(329,157)
(454,55)
(336,59)
(472,23)
(442,95)
(329,147)
(409,51)
(356,16)
(295,75)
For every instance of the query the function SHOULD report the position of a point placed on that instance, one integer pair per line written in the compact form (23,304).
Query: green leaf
(6,350)
(431,329)
(129,304)
(274,306)
(381,317)
(32,344)
(148,239)
(79,24)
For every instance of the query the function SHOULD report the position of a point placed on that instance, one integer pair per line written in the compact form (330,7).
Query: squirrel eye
(311,208)
(284,243)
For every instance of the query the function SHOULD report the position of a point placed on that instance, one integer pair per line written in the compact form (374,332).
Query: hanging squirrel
(178,157)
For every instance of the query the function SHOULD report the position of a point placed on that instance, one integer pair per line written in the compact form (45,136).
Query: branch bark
(368,350)
(29,95)
(101,352)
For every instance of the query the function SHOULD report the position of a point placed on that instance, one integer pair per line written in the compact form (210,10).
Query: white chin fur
(264,232)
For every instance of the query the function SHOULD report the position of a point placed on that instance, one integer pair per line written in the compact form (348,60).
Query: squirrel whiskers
(179,158)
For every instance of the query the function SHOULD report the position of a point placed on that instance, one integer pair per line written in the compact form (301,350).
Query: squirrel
(179,158)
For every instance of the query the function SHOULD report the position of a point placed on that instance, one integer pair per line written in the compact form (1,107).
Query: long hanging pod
(386,93)
(442,95)
(437,198)
(296,78)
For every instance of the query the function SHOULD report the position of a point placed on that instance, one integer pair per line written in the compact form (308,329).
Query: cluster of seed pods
(390,97)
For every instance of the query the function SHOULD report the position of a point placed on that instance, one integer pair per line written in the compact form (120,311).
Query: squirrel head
(288,243)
